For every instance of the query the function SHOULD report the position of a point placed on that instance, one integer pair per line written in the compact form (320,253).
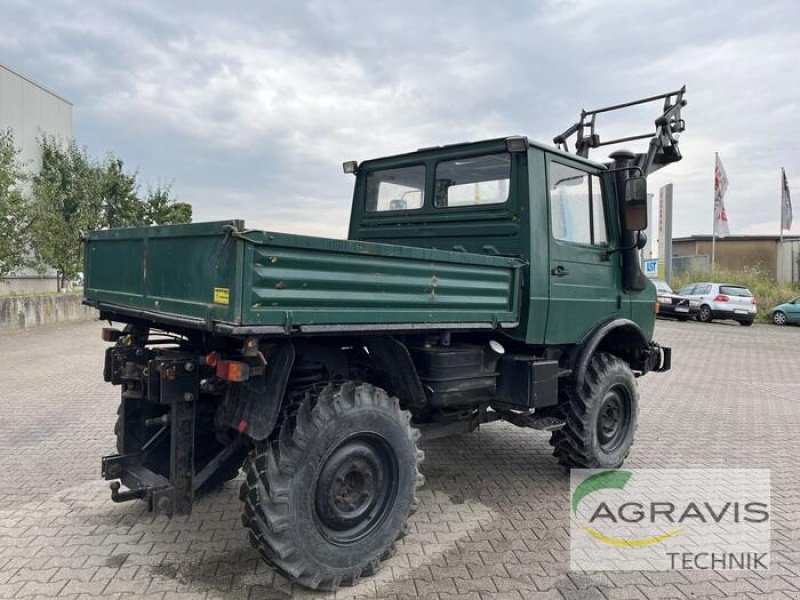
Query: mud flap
(252,407)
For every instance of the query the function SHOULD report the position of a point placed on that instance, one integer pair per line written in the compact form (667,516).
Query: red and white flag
(720,185)
(786,204)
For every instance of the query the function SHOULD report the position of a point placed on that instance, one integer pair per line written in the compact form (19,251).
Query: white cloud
(250,109)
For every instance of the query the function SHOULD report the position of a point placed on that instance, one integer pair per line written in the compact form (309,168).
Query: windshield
(662,286)
(731,290)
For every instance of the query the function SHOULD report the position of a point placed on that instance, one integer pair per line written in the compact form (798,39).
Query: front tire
(601,416)
(326,502)
(779,318)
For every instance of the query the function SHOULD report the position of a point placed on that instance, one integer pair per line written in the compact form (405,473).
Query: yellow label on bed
(222,296)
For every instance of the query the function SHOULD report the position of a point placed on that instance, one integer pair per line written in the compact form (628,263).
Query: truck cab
(560,213)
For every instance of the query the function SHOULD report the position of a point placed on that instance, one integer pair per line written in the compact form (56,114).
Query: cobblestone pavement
(493,520)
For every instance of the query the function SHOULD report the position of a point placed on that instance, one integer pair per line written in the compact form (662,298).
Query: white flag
(720,185)
(786,205)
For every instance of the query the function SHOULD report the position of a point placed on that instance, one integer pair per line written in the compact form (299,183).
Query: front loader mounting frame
(663,143)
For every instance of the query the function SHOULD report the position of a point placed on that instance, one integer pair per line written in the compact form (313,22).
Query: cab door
(585,280)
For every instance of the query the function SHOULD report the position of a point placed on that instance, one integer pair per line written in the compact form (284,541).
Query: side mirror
(636,204)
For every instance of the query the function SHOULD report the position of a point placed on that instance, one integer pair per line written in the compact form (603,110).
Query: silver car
(722,301)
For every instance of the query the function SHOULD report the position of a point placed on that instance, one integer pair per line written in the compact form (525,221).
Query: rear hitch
(127,495)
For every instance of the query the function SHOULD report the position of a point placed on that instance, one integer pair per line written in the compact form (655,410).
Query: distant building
(779,258)
(30,110)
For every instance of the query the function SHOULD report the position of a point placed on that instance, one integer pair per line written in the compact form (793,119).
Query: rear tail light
(755,302)
(721,298)
(232,370)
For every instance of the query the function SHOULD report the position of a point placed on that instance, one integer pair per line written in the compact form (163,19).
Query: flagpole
(713,248)
(782,208)
(780,235)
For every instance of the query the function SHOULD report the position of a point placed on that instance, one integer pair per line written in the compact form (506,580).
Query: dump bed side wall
(219,275)
(186,270)
(310,281)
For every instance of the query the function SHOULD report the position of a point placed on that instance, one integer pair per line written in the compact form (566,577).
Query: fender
(606,335)
(252,407)
(392,358)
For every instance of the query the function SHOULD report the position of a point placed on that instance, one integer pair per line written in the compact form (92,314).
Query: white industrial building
(30,110)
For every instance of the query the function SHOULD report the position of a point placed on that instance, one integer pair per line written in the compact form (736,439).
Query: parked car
(722,301)
(786,313)
(674,305)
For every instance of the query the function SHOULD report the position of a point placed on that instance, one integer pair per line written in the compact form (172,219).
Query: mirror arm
(631,168)
(610,252)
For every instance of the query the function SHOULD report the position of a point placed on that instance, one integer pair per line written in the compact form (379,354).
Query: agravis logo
(670,518)
(611,480)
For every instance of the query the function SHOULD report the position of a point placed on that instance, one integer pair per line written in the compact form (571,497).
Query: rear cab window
(472,181)
(402,188)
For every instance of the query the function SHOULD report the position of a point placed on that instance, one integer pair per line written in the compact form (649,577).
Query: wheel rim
(614,418)
(705,313)
(779,318)
(356,488)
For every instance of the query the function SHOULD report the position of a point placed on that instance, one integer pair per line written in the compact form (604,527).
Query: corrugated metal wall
(29,109)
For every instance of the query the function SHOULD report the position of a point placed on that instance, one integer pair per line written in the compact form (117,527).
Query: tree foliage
(14,217)
(121,206)
(67,199)
(162,209)
(73,193)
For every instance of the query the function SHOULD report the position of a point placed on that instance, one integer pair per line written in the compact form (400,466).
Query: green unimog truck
(496,280)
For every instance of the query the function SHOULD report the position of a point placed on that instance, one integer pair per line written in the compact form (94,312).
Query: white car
(722,301)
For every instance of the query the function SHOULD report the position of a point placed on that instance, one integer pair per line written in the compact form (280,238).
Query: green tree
(161,209)
(67,199)
(74,193)
(14,218)
(121,206)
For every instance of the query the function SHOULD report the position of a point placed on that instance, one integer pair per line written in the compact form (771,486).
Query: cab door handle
(559,271)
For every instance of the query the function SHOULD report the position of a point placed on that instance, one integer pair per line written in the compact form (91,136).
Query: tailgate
(185,273)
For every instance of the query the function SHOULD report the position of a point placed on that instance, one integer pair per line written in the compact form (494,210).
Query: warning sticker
(222,296)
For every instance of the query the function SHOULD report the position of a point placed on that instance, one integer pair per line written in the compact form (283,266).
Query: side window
(576,206)
(599,235)
(472,181)
(396,189)
(686,290)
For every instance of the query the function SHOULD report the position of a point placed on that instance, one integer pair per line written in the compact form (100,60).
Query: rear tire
(746,323)
(325,502)
(705,315)
(601,416)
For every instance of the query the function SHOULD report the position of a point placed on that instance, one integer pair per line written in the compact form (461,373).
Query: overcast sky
(249,108)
